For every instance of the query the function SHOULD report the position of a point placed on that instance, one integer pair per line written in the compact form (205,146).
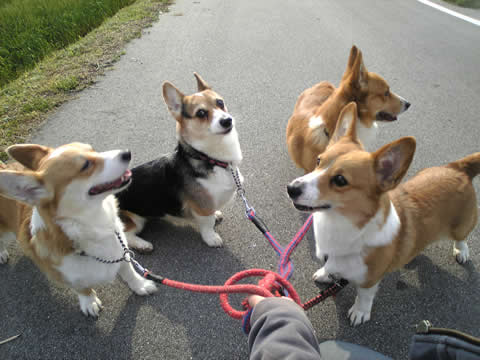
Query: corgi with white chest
(316,112)
(366,224)
(194,181)
(59,205)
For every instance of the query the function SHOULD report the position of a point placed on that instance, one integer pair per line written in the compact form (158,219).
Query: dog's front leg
(322,275)
(206,227)
(135,282)
(321,256)
(359,313)
(90,304)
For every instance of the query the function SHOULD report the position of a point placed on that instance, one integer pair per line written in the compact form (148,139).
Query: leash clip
(128,255)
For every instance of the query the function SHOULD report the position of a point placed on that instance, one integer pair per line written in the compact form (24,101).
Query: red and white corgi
(60,205)
(316,112)
(366,224)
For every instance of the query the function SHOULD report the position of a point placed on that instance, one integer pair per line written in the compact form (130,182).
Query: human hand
(253,300)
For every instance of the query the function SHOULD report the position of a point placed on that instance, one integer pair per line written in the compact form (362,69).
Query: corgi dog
(59,205)
(194,181)
(366,224)
(316,111)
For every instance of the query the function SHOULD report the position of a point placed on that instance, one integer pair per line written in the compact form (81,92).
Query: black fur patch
(161,186)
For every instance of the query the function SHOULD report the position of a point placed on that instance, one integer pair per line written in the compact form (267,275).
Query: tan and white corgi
(366,224)
(316,112)
(194,181)
(59,204)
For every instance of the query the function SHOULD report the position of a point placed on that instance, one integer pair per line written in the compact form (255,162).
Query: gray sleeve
(281,330)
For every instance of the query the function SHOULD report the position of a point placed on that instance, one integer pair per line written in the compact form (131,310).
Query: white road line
(451,12)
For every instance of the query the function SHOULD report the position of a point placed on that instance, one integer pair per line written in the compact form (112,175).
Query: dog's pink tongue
(117,182)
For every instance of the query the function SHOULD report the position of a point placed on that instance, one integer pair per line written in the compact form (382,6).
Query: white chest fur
(346,245)
(220,185)
(93,233)
(367,135)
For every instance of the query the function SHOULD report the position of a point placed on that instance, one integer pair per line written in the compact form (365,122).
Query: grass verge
(31,29)
(25,102)
(475,4)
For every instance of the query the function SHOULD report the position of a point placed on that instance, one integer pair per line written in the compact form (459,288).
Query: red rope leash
(271,284)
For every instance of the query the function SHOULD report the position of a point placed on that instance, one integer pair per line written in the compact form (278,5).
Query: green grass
(26,101)
(31,29)
(466,3)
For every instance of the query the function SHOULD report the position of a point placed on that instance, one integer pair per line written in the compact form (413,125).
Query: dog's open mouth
(310,208)
(385,116)
(112,185)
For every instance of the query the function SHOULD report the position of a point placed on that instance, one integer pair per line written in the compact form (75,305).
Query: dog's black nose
(294,189)
(226,123)
(126,156)
(407,105)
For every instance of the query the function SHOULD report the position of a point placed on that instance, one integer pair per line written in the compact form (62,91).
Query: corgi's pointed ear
(26,187)
(359,73)
(201,84)
(173,98)
(351,60)
(29,155)
(392,162)
(347,123)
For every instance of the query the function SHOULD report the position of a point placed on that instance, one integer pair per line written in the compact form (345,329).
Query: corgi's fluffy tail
(470,165)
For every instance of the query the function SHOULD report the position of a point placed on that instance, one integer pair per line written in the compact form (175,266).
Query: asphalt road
(259,55)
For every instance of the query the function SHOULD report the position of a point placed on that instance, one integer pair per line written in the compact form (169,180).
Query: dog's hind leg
(460,251)
(5,238)
(218,217)
(138,243)
(460,232)
(133,224)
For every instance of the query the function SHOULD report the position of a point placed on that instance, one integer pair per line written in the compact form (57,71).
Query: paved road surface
(259,55)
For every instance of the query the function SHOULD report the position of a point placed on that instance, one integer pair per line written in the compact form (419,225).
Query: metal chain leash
(240,189)
(127,256)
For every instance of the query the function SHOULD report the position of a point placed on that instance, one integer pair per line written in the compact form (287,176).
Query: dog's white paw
(90,305)
(358,316)
(144,287)
(3,256)
(212,239)
(461,252)
(321,276)
(142,246)
(218,217)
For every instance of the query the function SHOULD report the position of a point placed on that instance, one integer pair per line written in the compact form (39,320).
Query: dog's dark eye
(220,104)
(202,113)
(387,93)
(318,161)
(86,165)
(339,180)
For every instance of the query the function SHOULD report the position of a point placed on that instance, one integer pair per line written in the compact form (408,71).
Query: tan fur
(365,88)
